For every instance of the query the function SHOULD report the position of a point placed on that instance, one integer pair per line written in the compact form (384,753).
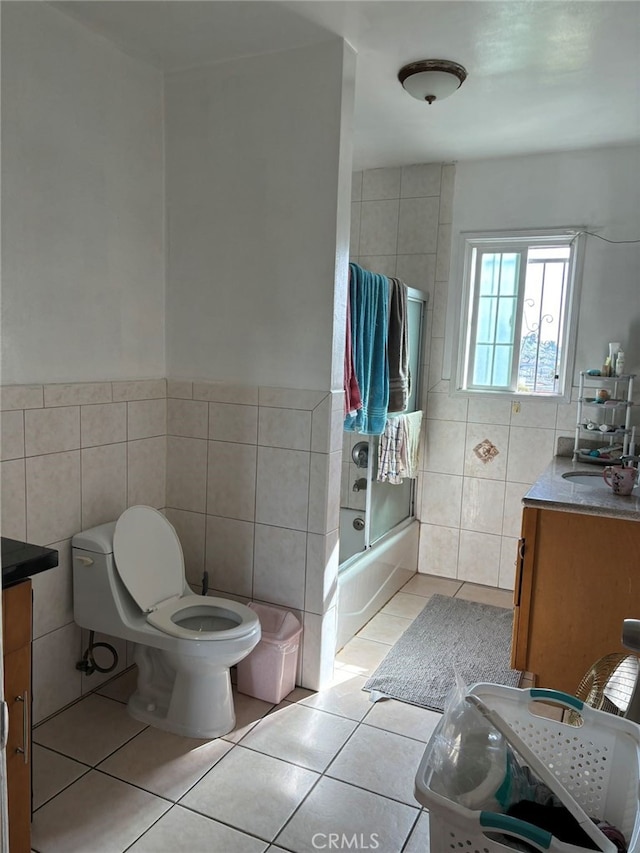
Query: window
(519,313)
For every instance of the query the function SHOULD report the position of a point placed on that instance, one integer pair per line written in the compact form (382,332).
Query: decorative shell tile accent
(486,451)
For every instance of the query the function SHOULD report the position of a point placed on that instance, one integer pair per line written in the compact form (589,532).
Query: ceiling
(543,75)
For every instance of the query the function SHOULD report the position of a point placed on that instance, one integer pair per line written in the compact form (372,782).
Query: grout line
(140,837)
(320,774)
(64,788)
(135,784)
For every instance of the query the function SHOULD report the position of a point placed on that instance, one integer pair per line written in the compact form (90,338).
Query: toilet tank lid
(97,539)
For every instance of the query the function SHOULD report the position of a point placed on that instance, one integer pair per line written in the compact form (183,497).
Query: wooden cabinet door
(580,581)
(522,593)
(16,614)
(17,690)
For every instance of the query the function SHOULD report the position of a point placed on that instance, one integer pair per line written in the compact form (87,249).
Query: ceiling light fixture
(432,79)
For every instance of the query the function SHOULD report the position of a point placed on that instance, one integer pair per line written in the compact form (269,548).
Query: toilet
(129,582)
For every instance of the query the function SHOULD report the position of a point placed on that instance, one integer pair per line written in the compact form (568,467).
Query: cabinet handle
(4,724)
(519,566)
(24,750)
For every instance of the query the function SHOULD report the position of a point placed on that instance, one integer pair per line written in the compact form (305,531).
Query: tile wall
(469,509)
(253,480)
(74,456)
(249,477)
(401,226)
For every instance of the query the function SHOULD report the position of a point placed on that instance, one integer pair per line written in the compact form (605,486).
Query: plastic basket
(598,763)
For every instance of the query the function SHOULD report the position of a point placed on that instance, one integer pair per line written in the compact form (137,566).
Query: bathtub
(370,578)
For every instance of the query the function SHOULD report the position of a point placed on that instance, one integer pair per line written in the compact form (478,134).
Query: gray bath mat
(450,632)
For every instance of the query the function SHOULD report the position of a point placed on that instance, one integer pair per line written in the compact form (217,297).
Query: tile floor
(285,778)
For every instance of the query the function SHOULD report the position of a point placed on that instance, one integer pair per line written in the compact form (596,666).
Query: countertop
(553,492)
(21,560)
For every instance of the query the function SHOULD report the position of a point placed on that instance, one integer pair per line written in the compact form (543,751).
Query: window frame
(466,321)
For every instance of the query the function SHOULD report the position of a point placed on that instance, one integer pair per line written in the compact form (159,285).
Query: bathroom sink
(585,478)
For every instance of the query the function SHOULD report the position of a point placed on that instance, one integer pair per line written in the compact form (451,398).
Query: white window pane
(506,321)
(482,365)
(489,274)
(509,275)
(502,367)
(544,253)
(486,319)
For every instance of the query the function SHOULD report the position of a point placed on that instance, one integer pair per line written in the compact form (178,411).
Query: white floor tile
(419,839)
(406,605)
(335,807)
(89,730)
(301,735)
(347,699)
(362,657)
(238,792)
(429,585)
(486,595)
(97,814)
(251,792)
(249,711)
(52,773)
(298,694)
(384,628)
(163,763)
(403,719)
(382,762)
(181,829)
(121,687)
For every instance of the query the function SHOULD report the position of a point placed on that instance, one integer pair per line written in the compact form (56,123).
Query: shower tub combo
(378,528)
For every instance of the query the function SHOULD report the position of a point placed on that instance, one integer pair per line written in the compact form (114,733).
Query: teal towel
(369,328)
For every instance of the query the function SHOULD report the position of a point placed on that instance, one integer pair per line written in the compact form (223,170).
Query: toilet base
(187,700)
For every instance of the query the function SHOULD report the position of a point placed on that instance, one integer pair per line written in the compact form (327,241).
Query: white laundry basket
(598,763)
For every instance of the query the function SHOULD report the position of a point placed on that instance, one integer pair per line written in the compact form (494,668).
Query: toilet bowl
(129,582)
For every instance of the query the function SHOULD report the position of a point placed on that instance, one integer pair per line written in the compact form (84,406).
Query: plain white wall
(82,204)
(253,166)
(598,189)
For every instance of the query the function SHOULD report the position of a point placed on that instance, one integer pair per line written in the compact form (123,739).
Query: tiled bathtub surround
(469,508)
(471,500)
(73,456)
(248,476)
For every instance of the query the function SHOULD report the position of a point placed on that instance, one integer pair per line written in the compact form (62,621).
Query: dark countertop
(551,491)
(21,560)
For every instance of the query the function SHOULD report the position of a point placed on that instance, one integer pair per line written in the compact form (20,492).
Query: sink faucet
(630,461)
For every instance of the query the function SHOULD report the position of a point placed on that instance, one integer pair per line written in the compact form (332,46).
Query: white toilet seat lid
(148,556)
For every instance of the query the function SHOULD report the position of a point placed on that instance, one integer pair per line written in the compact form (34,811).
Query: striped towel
(399,449)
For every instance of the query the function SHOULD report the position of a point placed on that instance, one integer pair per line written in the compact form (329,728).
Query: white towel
(399,449)
(413,424)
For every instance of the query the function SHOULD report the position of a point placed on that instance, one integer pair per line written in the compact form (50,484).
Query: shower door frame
(413,295)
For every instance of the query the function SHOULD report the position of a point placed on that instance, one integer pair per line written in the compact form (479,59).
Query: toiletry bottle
(620,363)
(614,346)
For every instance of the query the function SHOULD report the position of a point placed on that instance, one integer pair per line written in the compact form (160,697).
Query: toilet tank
(98,540)
(97,591)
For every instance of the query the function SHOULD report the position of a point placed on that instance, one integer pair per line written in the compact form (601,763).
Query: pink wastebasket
(269,672)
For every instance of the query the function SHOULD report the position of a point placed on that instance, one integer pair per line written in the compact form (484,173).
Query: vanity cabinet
(16,616)
(577,579)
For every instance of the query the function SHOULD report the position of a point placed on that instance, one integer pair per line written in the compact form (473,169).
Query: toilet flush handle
(85,561)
